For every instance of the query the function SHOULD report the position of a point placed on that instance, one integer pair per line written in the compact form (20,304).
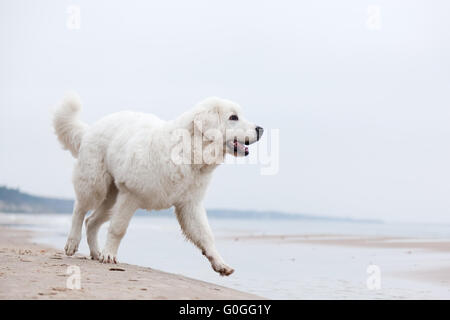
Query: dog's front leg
(194,223)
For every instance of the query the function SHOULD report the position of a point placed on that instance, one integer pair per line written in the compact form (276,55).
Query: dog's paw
(95,255)
(71,246)
(223,269)
(106,257)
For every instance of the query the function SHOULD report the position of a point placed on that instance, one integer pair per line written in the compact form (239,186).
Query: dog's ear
(206,122)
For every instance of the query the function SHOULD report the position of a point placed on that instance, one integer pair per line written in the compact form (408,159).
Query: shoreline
(304,262)
(32,271)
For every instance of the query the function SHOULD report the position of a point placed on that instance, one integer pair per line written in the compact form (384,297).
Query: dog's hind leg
(91,184)
(74,238)
(101,215)
(122,211)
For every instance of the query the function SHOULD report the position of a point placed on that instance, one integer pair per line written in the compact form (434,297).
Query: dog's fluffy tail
(68,128)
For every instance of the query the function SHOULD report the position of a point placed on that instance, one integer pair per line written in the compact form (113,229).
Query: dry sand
(32,271)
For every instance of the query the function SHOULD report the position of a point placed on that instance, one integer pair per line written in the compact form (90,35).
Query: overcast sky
(362,102)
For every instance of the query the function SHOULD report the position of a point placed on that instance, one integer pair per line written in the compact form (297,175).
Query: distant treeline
(16,201)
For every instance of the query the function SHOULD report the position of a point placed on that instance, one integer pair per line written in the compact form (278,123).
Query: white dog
(128,161)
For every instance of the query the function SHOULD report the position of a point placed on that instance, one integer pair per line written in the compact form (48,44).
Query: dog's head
(222,123)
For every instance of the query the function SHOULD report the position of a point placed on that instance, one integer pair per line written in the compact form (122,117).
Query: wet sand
(356,241)
(440,274)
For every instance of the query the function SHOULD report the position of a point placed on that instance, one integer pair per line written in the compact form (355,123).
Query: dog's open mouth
(237,147)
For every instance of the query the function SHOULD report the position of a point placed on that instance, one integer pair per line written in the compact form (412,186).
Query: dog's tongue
(240,146)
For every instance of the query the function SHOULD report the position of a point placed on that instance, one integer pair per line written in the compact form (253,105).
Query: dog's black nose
(259,132)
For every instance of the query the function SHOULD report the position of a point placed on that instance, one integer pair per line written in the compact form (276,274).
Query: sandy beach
(32,271)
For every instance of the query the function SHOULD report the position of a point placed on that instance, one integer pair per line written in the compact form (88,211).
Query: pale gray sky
(363,114)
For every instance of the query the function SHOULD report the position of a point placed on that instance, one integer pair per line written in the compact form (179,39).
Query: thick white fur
(125,163)
(69,128)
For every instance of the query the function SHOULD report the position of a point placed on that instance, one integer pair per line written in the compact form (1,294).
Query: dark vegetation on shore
(16,201)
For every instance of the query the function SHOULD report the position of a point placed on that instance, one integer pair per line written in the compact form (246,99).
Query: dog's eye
(234,117)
